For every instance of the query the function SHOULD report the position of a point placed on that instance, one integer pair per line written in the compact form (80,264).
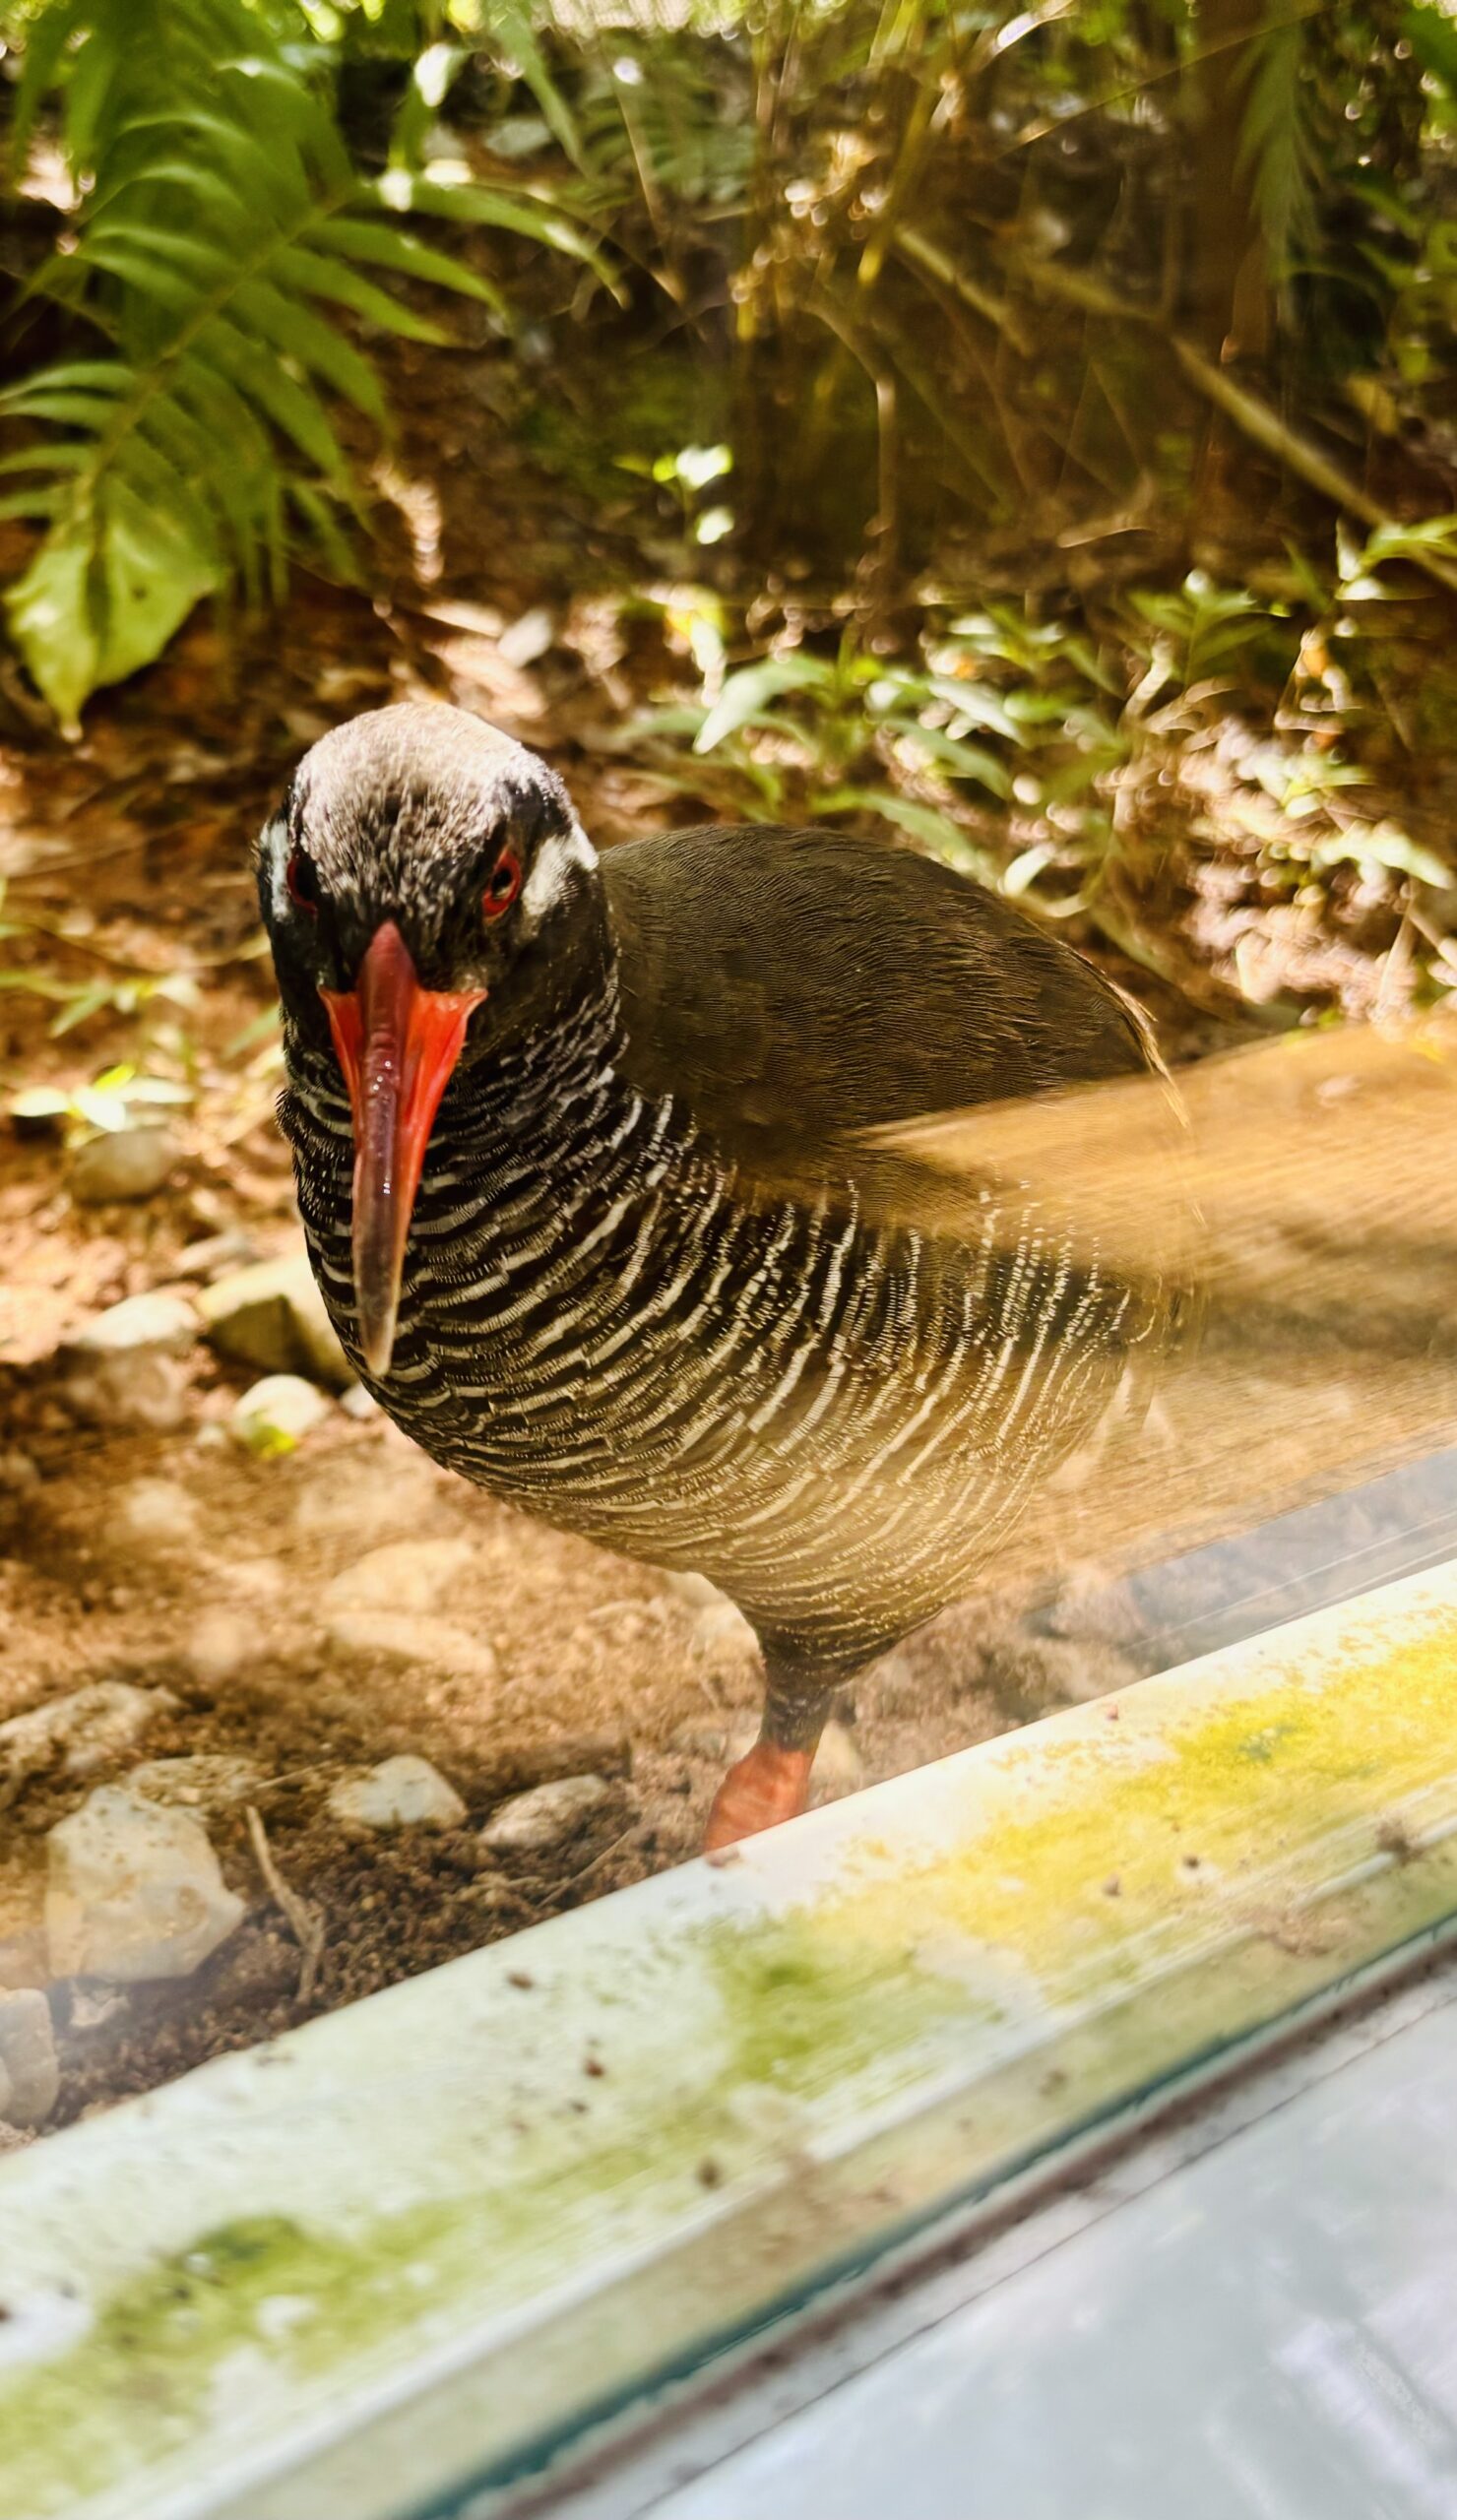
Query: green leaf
(324,275)
(96,375)
(963,760)
(369,240)
(43,500)
(1384,845)
(292,407)
(308,337)
(485,206)
(935,831)
(103,595)
(979,705)
(746,693)
(68,411)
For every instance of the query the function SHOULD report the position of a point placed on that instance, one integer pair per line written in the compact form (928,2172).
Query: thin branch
(1048,124)
(913,247)
(1249,414)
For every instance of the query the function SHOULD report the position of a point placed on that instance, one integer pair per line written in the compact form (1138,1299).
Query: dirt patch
(183,1565)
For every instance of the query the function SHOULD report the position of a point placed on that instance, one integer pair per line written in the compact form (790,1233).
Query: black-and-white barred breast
(602,1320)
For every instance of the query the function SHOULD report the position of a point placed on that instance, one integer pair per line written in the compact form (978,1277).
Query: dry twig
(1249,414)
(304,1922)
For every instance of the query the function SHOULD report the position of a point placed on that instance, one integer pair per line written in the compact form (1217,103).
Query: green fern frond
(1278,143)
(223,228)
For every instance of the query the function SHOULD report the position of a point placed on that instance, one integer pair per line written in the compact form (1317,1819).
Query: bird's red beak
(398,1044)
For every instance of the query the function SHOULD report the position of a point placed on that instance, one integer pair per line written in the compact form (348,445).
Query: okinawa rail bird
(581,1160)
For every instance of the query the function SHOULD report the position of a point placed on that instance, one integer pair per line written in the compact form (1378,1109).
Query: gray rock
(81,1729)
(133,1389)
(530,1822)
(404,1793)
(403,1575)
(134,1891)
(161,1321)
(278,1414)
(208,1781)
(273,1316)
(29,2071)
(431,1642)
(123,1163)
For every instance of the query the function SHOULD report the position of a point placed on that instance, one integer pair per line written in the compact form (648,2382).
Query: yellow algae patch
(1180,1823)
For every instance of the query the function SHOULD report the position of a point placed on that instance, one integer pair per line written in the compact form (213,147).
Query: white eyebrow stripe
(549,879)
(271,843)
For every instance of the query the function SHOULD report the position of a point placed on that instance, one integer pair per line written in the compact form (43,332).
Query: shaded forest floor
(137,1541)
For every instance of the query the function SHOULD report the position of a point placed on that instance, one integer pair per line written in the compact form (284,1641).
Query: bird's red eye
(303,883)
(504,885)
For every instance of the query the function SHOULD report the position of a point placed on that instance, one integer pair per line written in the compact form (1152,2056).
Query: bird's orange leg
(768,1785)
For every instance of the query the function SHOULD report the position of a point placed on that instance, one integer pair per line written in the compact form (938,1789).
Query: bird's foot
(768,1785)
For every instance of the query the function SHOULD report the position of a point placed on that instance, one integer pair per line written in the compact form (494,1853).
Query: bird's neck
(555,1083)
(543,1097)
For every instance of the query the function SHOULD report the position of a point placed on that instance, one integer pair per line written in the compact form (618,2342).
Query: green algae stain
(144,2378)
(809,2001)
(801,2008)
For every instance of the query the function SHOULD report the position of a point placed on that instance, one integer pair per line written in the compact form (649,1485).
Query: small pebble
(123,1163)
(278,1415)
(542,1817)
(429,1642)
(258,1579)
(221,1643)
(404,1793)
(405,1575)
(134,1891)
(30,2073)
(156,1513)
(214,1253)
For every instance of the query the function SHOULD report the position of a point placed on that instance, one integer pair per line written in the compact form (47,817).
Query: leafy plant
(221,240)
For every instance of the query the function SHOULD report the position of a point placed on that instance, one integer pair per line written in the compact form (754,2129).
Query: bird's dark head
(426,889)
